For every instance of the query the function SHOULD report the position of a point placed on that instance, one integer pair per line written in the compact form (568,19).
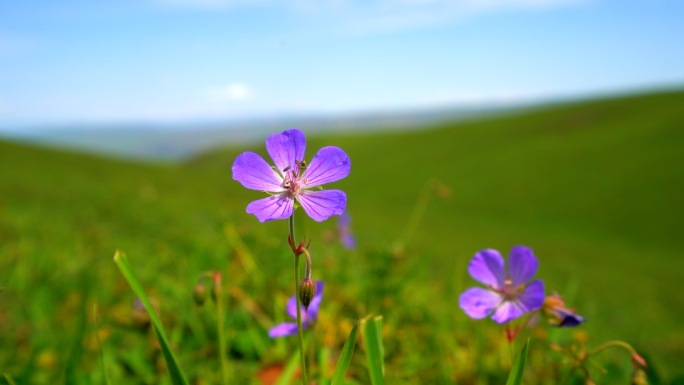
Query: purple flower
(309,316)
(344,231)
(509,294)
(558,315)
(292,179)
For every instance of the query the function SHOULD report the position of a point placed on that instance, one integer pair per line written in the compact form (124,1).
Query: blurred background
(557,124)
(78,69)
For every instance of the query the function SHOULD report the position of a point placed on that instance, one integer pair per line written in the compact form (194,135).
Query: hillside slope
(594,187)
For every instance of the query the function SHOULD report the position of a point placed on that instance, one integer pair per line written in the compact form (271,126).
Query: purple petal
(286,148)
(270,208)
(252,171)
(522,265)
(343,228)
(282,330)
(532,298)
(312,312)
(506,312)
(487,266)
(478,303)
(348,240)
(321,205)
(329,165)
(291,307)
(568,318)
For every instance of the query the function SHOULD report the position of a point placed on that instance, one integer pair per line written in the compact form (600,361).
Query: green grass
(595,188)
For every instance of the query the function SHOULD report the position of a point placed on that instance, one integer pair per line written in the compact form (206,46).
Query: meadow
(594,187)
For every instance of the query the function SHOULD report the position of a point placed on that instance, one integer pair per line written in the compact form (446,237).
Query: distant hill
(183,140)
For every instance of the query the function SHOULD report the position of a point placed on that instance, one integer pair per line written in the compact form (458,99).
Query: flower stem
(612,344)
(416,215)
(300,330)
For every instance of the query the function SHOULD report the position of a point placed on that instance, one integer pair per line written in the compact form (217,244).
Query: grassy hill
(594,187)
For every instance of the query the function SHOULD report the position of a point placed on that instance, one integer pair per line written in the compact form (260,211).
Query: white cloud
(395,15)
(235,92)
(361,17)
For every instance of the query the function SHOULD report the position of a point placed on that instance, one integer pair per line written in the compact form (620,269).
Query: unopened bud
(639,361)
(307,290)
(199,294)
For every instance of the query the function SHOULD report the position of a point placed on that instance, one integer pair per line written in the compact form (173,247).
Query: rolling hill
(595,188)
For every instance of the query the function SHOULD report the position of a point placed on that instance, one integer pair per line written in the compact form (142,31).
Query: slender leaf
(516,375)
(177,375)
(9,379)
(345,357)
(372,335)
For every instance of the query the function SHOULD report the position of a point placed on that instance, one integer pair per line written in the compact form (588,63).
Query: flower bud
(307,290)
(199,294)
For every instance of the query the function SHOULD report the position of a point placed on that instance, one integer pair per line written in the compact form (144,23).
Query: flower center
(510,292)
(293,180)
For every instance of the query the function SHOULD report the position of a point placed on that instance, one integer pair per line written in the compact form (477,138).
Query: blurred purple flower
(509,293)
(292,179)
(309,316)
(347,239)
(558,315)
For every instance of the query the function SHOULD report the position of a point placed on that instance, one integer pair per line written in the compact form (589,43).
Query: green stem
(220,326)
(612,344)
(416,215)
(300,330)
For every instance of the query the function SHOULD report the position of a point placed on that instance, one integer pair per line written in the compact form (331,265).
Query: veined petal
(321,205)
(487,266)
(282,330)
(252,171)
(506,312)
(522,265)
(270,208)
(329,165)
(532,298)
(286,148)
(478,303)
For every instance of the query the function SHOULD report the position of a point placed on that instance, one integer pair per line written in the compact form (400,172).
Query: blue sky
(100,62)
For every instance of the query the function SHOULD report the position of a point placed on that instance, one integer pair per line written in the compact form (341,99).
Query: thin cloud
(359,17)
(236,92)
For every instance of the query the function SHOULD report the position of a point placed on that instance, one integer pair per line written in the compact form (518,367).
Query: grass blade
(177,375)
(345,357)
(9,379)
(516,375)
(372,335)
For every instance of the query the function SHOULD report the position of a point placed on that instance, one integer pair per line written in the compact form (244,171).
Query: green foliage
(515,377)
(176,372)
(594,187)
(371,329)
(345,357)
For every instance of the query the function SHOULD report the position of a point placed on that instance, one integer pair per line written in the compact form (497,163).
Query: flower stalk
(300,329)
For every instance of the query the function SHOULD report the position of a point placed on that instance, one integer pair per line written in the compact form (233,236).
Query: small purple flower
(558,315)
(509,293)
(309,316)
(292,179)
(347,239)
